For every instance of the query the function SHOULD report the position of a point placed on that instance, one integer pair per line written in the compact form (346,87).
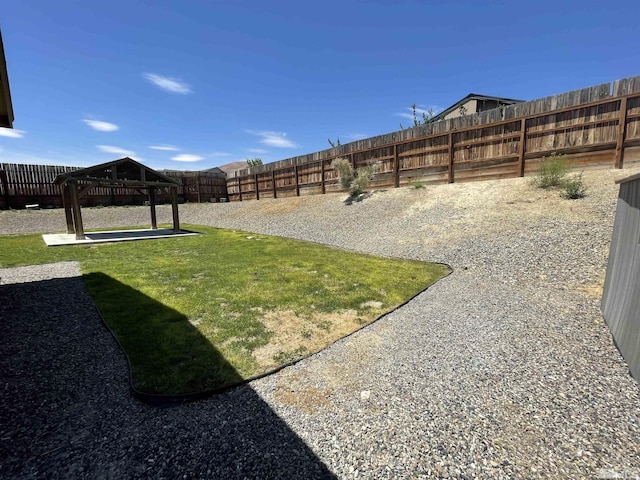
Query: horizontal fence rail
(21,185)
(593,126)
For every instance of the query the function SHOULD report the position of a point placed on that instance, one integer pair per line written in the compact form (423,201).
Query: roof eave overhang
(6,106)
(631,178)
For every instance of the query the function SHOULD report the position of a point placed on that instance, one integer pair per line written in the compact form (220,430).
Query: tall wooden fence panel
(21,185)
(199,187)
(597,125)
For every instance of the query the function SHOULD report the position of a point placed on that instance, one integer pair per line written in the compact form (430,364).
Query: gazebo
(122,173)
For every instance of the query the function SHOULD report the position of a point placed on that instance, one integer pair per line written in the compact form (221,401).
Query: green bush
(552,172)
(574,187)
(355,182)
(345,172)
(363,177)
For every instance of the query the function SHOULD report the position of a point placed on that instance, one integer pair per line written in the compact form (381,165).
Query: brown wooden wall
(598,125)
(22,185)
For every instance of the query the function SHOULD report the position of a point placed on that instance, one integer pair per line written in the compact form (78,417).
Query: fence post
(622,124)
(198,188)
(5,186)
(240,187)
(396,167)
(255,181)
(273,183)
(322,181)
(522,147)
(451,171)
(185,189)
(295,168)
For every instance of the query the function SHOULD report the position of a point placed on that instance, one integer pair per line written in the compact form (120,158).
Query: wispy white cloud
(168,84)
(258,150)
(220,154)
(187,157)
(115,150)
(11,133)
(356,136)
(101,126)
(420,109)
(273,139)
(164,147)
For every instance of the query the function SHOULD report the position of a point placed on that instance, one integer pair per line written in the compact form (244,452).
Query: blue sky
(195,84)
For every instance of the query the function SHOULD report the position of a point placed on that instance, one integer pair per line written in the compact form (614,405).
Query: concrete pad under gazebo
(122,173)
(58,239)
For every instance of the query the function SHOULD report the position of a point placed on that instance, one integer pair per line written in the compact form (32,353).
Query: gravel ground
(504,369)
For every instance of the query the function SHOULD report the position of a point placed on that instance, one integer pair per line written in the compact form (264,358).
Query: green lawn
(202,312)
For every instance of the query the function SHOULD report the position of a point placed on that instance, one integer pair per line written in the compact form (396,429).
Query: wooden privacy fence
(593,126)
(200,187)
(22,185)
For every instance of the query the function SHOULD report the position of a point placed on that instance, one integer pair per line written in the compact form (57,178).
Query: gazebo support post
(152,205)
(77,214)
(174,208)
(66,202)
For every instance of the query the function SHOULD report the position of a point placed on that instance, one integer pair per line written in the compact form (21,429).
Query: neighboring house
(176,173)
(474,103)
(621,295)
(231,168)
(215,171)
(6,108)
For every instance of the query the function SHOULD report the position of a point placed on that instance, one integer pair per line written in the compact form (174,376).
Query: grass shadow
(163,348)
(65,411)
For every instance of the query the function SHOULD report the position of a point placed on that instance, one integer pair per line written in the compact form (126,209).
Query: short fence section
(21,185)
(200,187)
(593,126)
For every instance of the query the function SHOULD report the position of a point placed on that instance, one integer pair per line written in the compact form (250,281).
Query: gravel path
(504,369)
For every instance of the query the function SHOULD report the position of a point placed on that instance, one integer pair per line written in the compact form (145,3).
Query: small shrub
(417,184)
(574,187)
(355,182)
(552,172)
(363,177)
(345,172)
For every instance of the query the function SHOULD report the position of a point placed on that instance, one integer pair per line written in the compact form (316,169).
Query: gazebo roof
(124,172)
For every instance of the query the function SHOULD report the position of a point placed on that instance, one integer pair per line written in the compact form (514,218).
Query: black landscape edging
(164,400)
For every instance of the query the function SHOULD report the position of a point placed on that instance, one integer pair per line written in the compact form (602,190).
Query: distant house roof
(217,170)
(124,172)
(475,96)
(6,107)
(229,168)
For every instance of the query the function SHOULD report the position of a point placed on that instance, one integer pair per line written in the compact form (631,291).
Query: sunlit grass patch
(203,312)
